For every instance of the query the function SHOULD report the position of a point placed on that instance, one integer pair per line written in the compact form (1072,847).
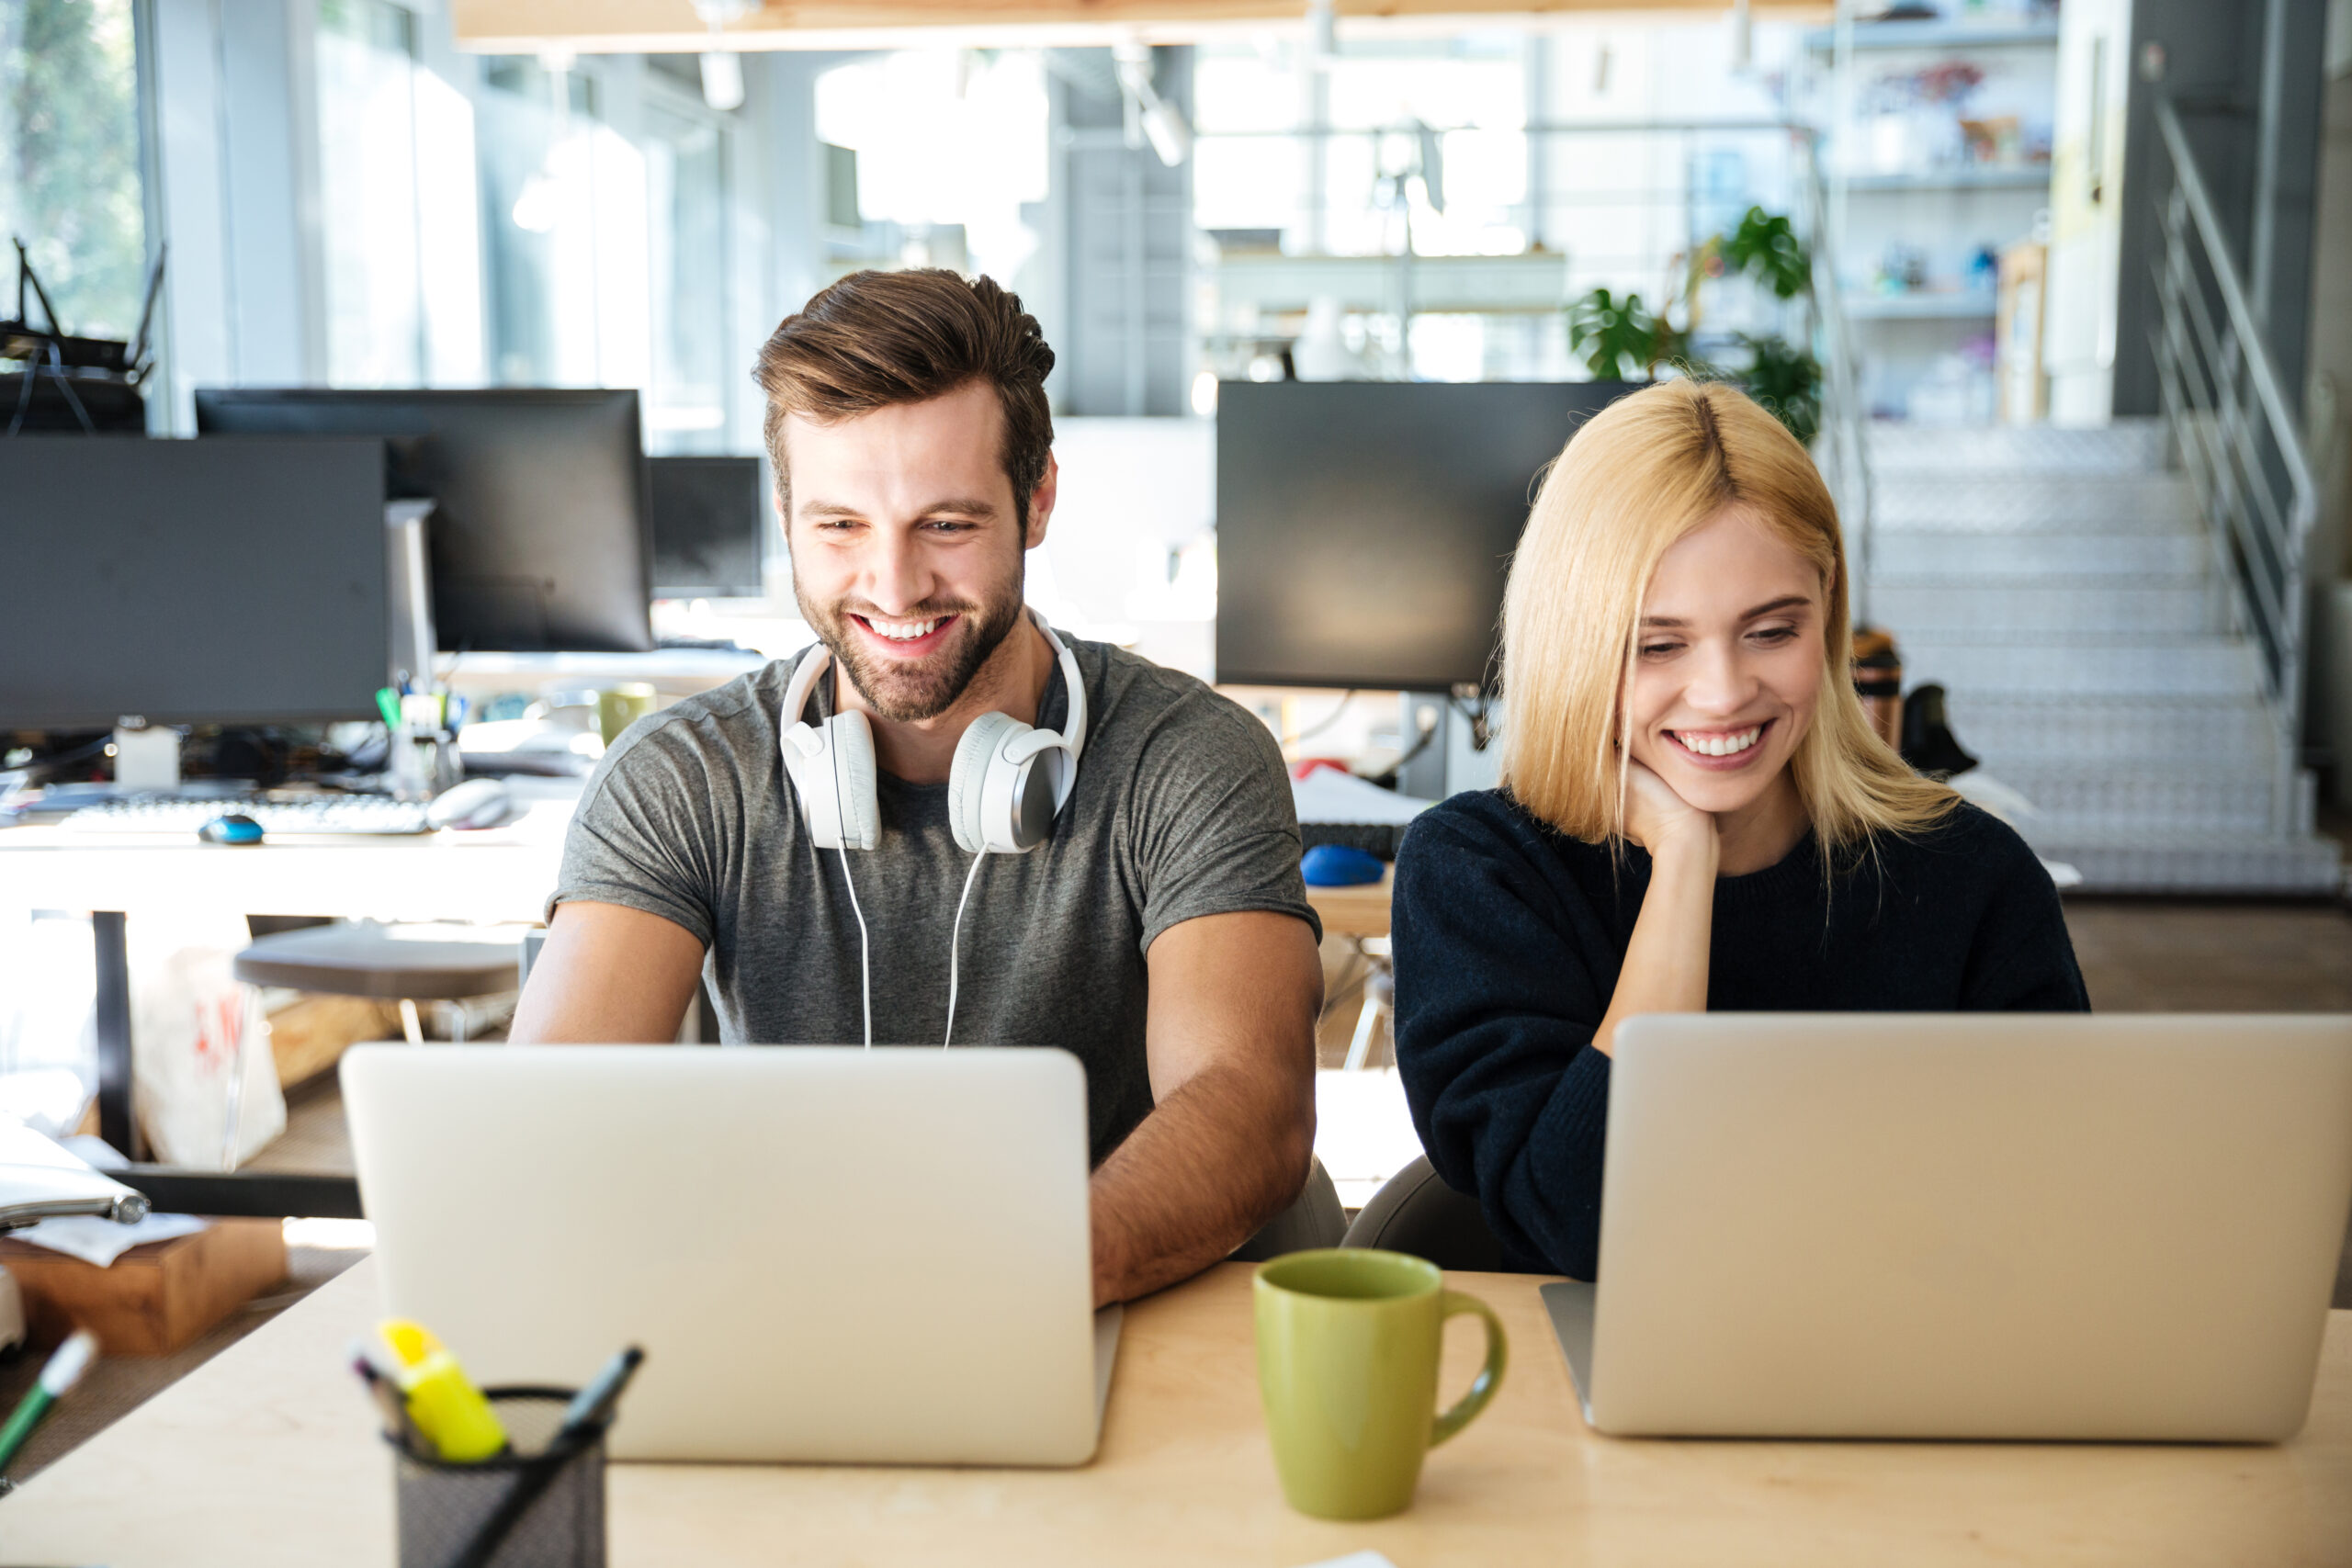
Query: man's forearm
(1212,1164)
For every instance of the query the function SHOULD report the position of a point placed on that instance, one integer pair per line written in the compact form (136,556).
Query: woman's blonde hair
(1643,473)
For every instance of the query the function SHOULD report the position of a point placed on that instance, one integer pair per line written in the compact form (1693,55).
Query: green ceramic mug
(622,705)
(1348,1345)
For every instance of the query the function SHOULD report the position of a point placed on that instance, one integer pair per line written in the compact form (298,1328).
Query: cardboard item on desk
(2018,332)
(153,1299)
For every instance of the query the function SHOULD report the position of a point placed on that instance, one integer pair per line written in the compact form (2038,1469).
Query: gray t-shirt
(1182,810)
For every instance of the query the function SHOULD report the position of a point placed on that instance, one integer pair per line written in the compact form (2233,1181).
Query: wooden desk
(497,875)
(1355,911)
(266,1457)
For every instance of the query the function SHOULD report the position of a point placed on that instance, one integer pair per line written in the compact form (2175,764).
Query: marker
(446,1406)
(64,1370)
(388,703)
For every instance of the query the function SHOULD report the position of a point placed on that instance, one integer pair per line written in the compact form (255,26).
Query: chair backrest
(1313,1219)
(1415,1212)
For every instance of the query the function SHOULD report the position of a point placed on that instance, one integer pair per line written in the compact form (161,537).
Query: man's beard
(906,692)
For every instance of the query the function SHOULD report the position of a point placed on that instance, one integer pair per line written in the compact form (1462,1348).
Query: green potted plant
(1621,337)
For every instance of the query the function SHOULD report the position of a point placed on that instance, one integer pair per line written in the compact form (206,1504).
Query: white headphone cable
(955,936)
(864,967)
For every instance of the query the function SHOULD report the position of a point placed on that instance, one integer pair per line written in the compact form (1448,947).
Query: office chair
(1313,1219)
(1415,1212)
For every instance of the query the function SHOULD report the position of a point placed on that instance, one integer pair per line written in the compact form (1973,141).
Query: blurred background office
(2058,294)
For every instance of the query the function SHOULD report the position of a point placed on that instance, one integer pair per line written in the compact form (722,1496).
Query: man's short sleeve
(1213,827)
(646,834)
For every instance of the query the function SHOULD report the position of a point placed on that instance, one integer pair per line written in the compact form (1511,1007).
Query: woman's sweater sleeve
(1496,1009)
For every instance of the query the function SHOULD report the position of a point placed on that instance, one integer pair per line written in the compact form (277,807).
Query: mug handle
(1453,1304)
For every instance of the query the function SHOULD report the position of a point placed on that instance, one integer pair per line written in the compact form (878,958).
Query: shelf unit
(1939,35)
(1925,305)
(1904,203)
(1962,177)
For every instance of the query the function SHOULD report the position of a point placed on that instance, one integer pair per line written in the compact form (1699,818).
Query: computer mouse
(1339,865)
(477,803)
(231,828)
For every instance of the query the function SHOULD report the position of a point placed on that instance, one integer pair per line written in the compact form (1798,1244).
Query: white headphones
(1007,785)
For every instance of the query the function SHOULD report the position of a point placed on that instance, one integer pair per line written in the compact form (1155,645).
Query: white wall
(2085,236)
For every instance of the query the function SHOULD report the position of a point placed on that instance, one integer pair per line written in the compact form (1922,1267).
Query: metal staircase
(2118,615)
(2064,587)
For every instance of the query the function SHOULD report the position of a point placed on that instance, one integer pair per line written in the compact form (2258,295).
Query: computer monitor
(1363,529)
(190,581)
(538,541)
(709,525)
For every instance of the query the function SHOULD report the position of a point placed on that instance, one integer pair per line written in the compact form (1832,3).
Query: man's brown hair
(875,339)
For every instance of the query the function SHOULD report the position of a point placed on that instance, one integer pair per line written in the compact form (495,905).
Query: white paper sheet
(94,1240)
(1329,796)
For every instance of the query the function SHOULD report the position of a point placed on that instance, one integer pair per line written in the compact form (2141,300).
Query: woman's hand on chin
(1661,820)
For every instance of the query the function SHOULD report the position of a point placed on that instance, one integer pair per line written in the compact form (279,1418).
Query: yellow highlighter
(446,1407)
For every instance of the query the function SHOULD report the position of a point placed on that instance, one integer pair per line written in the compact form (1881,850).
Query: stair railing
(2229,418)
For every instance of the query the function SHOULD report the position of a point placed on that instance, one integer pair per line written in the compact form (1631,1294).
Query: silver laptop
(1996,1226)
(828,1253)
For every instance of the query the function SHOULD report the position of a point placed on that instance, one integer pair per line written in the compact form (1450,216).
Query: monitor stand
(147,758)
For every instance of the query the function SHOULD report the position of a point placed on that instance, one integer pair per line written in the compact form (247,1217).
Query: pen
(387,1395)
(592,1406)
(388,703)
(64,1370)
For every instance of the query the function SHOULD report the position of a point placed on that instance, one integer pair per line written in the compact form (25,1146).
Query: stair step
(1919,609)
(2005,729)
(1956,553)
(2056,665)
(2124,447)
(2071,798)
(2140,861)
(2007,501)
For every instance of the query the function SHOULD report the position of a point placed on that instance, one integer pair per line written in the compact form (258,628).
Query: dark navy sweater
(1508,939)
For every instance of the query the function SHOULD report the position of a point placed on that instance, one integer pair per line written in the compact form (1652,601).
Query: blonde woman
(1694,815)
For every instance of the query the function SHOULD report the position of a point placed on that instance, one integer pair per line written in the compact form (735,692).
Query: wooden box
(157,1297)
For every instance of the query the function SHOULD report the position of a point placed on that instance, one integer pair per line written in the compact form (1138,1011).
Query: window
(696,363)
(397,229)
(367,52)
(563,213)
(70,178)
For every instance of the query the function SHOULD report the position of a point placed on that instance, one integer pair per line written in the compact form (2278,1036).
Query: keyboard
(287,815)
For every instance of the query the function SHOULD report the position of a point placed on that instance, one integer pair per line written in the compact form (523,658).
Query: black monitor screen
(190,581)
(1363,529)
(709,520)
(537,534)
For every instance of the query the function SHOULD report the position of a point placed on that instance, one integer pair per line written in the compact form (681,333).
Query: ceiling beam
(663,27)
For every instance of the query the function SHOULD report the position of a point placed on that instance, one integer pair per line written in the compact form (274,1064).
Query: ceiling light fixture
(1150,118)
(722,68)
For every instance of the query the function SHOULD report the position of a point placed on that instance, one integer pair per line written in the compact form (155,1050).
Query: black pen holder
(446,1507)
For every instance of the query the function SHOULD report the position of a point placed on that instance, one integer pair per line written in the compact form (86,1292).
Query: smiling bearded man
(1128,844)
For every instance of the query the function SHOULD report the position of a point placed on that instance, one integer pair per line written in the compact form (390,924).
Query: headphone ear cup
(809,763)
(851,742)
(967,778)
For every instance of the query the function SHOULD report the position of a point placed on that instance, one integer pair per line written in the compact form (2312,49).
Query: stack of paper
(40,1178)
